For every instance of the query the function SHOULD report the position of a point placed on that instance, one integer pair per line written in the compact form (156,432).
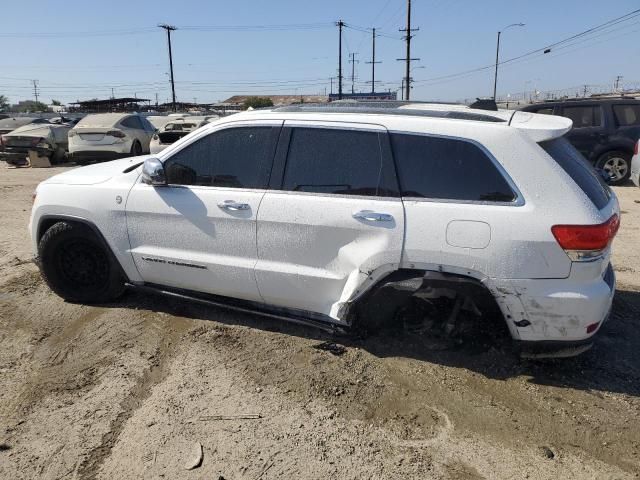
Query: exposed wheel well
(403,290)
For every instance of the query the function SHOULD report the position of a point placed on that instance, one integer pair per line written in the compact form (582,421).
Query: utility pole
(35,89)
(402,89)
(373,62)
(156,100)
(617,84)
(408,58)
(169,29)
(340,24)
(353,72)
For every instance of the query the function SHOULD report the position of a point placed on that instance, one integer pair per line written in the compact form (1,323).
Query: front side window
(545,111)
(347,162)
(448,169)
(234,157)
(627,115)
(583,116)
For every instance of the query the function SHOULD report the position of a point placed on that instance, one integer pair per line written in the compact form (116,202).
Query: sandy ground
(139,388)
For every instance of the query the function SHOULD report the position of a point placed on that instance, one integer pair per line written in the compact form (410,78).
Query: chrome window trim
(519,201)
(336,195)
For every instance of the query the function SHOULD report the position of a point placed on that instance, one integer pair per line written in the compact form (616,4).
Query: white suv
(342,215)
(107,136)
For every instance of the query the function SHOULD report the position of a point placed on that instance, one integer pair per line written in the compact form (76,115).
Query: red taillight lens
(635,150)
(592,327)
(586,237)
(116,133)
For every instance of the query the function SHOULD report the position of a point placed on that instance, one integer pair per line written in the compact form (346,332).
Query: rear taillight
(2,140)
(586,242)
(116,133)
(636,148)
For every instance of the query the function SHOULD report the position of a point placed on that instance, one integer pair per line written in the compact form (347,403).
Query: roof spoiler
(541,127)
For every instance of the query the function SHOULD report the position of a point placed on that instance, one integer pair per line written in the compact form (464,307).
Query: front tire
(77,266)
(617,164)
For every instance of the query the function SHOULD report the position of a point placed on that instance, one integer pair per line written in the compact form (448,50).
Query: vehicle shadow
(612,365)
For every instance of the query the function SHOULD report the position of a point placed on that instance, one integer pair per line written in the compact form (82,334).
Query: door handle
(233,206)
(373,216)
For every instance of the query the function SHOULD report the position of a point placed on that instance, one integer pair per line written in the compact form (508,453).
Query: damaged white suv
(340,215)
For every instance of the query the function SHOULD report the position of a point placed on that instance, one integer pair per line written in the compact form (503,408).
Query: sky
(78,50)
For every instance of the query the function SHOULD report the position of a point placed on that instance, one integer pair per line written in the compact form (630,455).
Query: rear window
(581,171)
(449,169)
(627,115)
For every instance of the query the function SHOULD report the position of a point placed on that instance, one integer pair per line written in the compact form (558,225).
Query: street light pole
(495,78)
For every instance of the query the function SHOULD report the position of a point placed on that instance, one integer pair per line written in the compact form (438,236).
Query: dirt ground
(139,388)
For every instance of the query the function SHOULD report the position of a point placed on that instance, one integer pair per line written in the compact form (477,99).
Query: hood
(97,173)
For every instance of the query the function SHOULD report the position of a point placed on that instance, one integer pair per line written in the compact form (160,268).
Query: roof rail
(375,109)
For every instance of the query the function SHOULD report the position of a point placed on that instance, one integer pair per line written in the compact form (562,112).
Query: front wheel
(617,165)
(77,266)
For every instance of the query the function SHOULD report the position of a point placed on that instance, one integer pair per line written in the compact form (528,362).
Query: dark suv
(604,131)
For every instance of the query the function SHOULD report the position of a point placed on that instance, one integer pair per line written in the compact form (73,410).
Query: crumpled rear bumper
(553,314)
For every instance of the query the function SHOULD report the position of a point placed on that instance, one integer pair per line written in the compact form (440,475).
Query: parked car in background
(47,139)
(8,125)
(108,136)
(175,129)
(635,165)
(159,121)
(349,216)
(604,130)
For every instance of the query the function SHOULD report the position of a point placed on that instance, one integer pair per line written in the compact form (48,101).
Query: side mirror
(153,172)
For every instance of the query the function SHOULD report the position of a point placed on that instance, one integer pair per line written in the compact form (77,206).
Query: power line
(543,50)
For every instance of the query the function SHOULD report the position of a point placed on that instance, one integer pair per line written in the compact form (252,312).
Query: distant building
(124,104)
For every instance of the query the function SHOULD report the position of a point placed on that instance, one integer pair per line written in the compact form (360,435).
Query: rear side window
(132,122)
(545,111)
(627,115)
(234,157)
(347,162)
(445,168)
(583,116)
(591,183)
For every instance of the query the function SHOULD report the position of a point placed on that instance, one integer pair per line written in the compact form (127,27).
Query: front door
(333,221)
(199,231)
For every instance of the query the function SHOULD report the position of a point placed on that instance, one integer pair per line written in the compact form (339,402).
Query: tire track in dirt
(154,375)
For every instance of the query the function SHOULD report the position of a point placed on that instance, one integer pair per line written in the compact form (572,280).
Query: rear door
(333,220)
(199,232)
